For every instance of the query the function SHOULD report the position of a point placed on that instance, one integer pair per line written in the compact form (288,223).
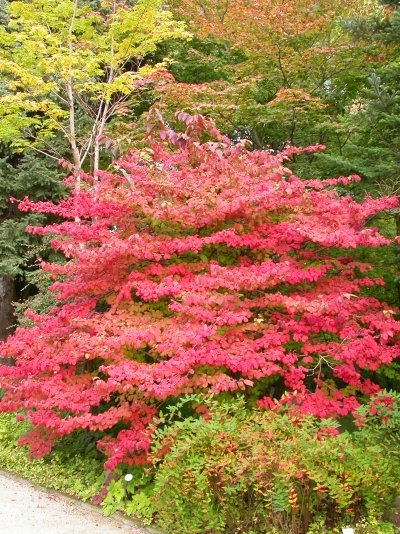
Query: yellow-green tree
(66,67)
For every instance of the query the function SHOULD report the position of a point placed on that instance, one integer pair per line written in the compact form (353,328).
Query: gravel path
(26,509)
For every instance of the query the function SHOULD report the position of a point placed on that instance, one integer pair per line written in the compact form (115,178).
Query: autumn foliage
(198,265)
(288,54)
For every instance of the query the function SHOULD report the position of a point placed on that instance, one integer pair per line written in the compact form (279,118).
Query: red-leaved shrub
(197,266)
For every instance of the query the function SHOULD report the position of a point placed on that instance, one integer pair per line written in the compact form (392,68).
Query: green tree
(374,147)
(375,120)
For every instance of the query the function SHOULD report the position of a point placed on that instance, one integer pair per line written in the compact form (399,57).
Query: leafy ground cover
(66,469)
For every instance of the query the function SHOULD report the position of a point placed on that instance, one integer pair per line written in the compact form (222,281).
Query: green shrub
(241,470)
(129,490)
(236,470)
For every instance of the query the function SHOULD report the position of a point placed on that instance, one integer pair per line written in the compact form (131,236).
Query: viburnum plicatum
(197,265)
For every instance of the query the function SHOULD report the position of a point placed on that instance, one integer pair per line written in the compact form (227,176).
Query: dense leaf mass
(198,265)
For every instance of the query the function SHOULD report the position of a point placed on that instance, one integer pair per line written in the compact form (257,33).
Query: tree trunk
(397,221)
(6,308)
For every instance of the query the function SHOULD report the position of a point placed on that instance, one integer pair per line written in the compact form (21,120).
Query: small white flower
(128,477)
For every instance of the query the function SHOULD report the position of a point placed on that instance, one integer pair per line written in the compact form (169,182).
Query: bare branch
(44,153)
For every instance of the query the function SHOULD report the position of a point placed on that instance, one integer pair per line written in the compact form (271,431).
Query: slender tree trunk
(397,221)
(99,133)
(6,308)
(103,119)
(71,108)
(72,140)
